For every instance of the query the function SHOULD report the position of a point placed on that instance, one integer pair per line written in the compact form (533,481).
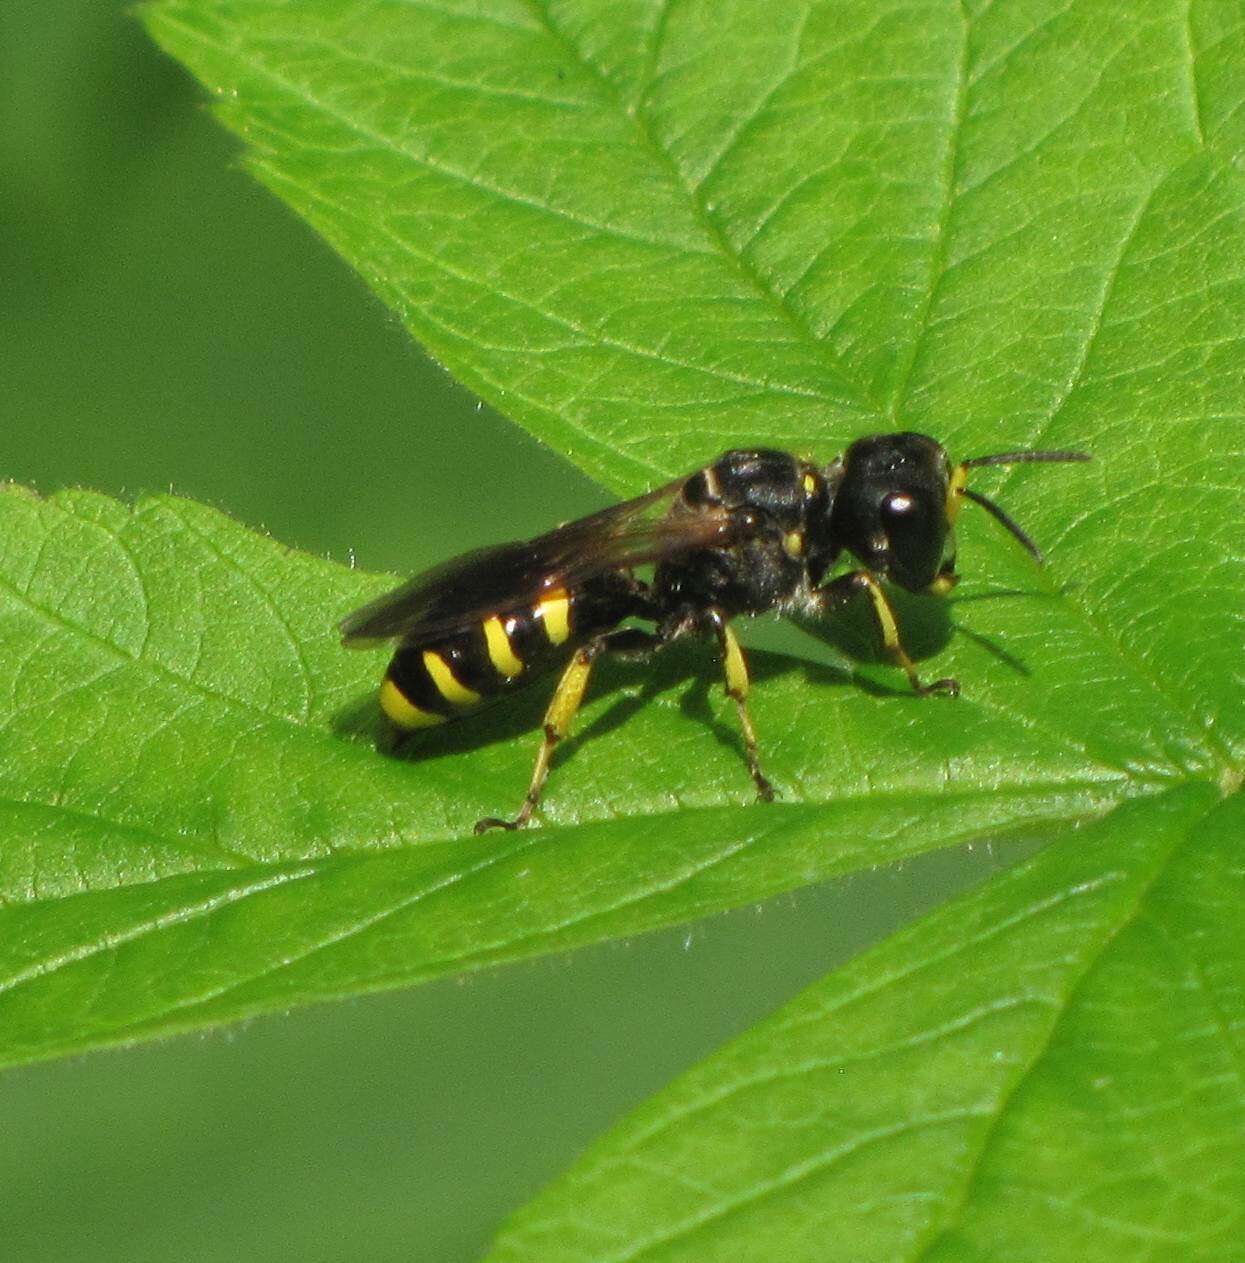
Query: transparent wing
(499,579)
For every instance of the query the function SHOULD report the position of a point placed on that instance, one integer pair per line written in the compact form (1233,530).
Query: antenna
(1014,458)
(1023,458)
(998,514)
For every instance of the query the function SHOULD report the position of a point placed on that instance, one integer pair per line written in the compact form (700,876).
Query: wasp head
(890,496)
(894,501)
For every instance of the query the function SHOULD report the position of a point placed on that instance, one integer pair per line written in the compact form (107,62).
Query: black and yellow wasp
(755,530)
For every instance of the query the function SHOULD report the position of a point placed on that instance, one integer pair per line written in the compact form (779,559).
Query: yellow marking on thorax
(959,480)
(810,484)
(793,543)
(500,651)
(555,612)
(402,712)
(447,684)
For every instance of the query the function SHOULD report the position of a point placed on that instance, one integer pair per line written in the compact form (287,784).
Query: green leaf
(1049,1068)
(196,825)
(648,235)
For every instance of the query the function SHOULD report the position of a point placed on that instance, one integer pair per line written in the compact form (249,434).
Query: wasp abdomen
(432,680)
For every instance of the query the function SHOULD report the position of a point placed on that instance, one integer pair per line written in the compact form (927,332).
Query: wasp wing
(497,580)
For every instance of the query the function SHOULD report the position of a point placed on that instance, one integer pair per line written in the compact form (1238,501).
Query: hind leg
(567,697)
(735,669)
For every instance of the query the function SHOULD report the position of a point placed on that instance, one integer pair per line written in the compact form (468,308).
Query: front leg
(945,581)
(840,591)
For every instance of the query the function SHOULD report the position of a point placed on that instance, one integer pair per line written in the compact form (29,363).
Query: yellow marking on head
(793,543)
(500,651)
(555,612)
(733,664)
(959,480)
(810,484)
(403,713)
(447,685)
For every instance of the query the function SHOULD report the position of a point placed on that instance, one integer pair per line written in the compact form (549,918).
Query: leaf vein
(941,1232)
(938,250)
(738,262)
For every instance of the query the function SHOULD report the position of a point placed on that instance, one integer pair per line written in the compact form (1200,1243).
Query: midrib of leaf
(428,870)
(1041,1049)
(777,302)
(938,251)
(484,954)
(234,859)
(507,849)
(1195,99)
(176,916)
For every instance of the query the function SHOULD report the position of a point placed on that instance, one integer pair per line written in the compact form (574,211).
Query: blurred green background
(165,323)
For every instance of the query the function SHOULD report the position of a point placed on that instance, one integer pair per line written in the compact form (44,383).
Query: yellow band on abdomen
(447,684)
(500,651)
(402,712)
(555,613)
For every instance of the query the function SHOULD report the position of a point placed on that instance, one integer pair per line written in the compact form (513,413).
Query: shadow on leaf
(633,685)
(926,627)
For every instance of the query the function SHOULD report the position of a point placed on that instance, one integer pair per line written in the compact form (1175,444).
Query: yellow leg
(558,718)
(735,668)
(888,628)
(944,583)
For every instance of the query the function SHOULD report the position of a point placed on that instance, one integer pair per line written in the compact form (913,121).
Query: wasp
(756,530)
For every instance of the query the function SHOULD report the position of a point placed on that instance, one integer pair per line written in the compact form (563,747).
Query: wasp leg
(842,589)
(735,668)
(945,580)
(628,643)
